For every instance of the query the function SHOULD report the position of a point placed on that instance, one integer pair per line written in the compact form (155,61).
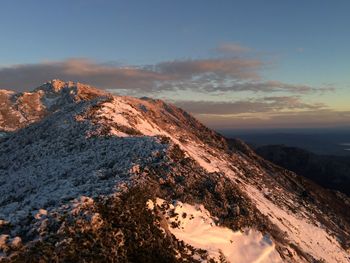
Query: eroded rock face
(77,174)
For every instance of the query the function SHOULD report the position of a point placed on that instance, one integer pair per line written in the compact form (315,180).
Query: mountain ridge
(102,146)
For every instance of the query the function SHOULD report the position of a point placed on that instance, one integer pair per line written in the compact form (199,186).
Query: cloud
(28,76)
(292,103)
(237,68)
(266,112)
(153,78)
(305,119)
(232,48)
(210,84)
(268,86)
(219,75)
(262,105)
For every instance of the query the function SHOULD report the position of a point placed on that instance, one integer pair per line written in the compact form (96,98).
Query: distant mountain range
(87,176)
(330,171)
(318,141)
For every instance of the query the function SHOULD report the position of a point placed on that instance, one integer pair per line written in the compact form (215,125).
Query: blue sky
(298,42)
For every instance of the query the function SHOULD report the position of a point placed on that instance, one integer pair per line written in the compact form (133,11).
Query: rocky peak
(56,85)
(20,109)
(78,90)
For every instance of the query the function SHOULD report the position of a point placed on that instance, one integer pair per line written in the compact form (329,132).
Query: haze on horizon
(233,64)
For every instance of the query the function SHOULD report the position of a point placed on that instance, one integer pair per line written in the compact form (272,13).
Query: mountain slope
(330,171)
(128,175)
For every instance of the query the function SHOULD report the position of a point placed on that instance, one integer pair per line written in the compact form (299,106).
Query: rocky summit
(87,176)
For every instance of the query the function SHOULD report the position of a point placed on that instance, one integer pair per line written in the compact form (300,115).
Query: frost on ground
(194,225)
(54,161)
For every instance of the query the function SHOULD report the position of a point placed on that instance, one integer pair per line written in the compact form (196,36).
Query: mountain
(22,109)
(330,171)
(86,176)
(319,141)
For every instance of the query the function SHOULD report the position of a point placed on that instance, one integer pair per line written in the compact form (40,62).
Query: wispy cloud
(202,75)
(237,68)
(157,77)
(261,105)
(225,85)
(306,119)
(28,76)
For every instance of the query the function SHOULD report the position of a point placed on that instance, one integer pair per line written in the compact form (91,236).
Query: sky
(233,64)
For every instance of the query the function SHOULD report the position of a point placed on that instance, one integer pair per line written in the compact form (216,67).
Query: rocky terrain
(87,176)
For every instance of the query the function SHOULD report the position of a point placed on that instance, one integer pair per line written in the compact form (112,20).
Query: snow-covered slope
(194,225)
(79,141)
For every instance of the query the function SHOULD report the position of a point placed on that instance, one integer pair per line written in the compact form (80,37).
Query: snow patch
(120,111)
(194,225)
